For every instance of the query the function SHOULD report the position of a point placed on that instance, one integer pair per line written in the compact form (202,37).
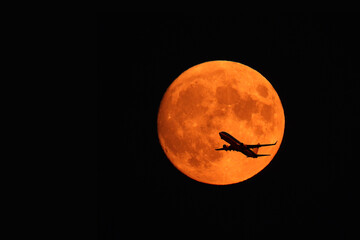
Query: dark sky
(308,188)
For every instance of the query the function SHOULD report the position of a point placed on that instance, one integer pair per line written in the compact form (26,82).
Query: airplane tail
(255,150)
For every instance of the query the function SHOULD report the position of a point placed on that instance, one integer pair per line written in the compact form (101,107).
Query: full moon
(219,96)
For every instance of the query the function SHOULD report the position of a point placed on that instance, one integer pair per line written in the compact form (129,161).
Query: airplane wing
(260,145)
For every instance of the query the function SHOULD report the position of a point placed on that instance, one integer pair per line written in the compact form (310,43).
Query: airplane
(236,145)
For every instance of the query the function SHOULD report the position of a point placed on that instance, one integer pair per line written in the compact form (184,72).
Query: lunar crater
(190,101)
(262,90)
(193,161)
(267,112)
(245,108)
(227,95)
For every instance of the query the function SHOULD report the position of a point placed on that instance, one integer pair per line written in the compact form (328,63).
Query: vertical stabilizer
(255,150)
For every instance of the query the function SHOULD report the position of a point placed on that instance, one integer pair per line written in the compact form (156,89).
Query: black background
(308,188)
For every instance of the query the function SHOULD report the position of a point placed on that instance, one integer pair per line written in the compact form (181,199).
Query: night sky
(307,190)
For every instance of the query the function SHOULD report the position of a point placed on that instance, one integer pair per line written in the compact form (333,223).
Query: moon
(219,96)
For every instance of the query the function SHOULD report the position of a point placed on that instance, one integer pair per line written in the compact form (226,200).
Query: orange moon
(219,96)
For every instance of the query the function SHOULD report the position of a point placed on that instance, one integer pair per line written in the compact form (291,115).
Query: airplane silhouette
(236,145)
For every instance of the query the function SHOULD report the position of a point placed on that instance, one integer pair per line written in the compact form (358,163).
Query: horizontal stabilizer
(262,155)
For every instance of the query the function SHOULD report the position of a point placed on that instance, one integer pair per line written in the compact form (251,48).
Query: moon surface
(219,96)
